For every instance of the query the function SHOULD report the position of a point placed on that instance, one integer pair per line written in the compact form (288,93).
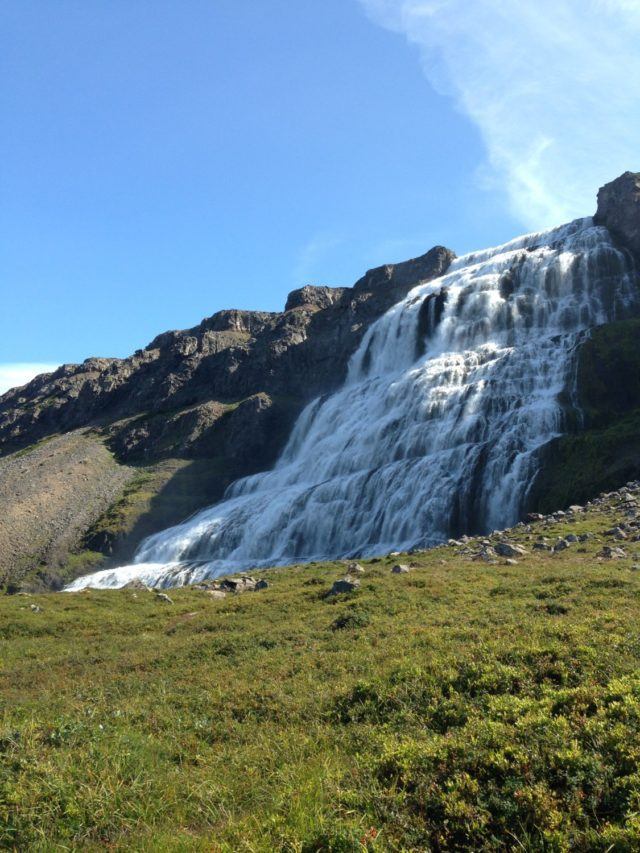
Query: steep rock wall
(191,412)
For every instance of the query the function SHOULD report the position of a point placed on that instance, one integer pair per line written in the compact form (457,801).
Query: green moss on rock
(606,452)
(609,372)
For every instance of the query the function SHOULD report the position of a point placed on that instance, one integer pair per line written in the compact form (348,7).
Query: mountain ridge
(199,408)
(213,403)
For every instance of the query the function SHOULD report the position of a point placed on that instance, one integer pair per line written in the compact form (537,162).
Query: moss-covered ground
(462,706)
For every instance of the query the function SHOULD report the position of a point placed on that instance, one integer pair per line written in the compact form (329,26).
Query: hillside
(184,417)
(473,702)
(167,430)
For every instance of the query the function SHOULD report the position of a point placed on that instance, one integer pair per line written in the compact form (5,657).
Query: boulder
(508,549)
(611,553)
(261,584)
(162,596)
(136,583)
(238,585)
(400,569)
(486,553)
(355,569)
(344,585)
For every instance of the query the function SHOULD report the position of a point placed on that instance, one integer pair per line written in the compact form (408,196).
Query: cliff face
(192,411)
(250,362)
(137,444)
(602,451)
(619,210)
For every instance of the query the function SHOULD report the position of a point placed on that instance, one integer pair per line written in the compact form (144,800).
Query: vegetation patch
(435,716)
(353,618)
(24,451)
(606,450)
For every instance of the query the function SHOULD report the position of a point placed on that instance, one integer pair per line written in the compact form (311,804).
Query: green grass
(25,450)
(462,706)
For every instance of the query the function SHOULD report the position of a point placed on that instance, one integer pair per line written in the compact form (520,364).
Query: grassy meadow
(464,705)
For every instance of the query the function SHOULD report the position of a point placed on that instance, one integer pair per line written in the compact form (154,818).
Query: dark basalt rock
(344,585)
(228,387)
(603,450)
(314,297)
(408,273)
(429,317)
(619,210)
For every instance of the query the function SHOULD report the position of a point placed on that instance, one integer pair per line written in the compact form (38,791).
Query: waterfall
(437,428)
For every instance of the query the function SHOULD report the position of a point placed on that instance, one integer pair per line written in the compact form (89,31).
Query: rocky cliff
(189,413)
(243,367)
(619,210)
(95,456)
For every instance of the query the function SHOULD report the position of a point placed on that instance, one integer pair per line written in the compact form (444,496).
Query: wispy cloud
(12,375)
(310,255)
(551,84)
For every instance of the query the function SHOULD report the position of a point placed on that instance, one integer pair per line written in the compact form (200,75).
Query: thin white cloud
(309,256)
(551,84)
(12,375)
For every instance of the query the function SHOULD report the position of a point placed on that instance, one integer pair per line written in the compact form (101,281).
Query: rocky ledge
(619,210)
(169,397)
(186,415)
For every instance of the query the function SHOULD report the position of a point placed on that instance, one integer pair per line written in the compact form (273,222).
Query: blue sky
(163,159)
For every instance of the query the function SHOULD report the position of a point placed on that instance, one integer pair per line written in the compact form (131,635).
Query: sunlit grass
(464,705)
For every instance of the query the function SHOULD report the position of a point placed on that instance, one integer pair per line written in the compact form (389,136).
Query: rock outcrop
(602,450)
(183,417)
(619,210)
(251,367)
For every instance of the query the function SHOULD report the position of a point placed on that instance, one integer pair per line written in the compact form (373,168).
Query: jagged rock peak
(314,296)
(619,210)
(228,357)
(407,273)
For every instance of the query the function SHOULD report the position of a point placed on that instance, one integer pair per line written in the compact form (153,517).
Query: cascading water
(437,429)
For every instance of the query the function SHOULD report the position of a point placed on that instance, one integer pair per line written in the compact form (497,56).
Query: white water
(437,428)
